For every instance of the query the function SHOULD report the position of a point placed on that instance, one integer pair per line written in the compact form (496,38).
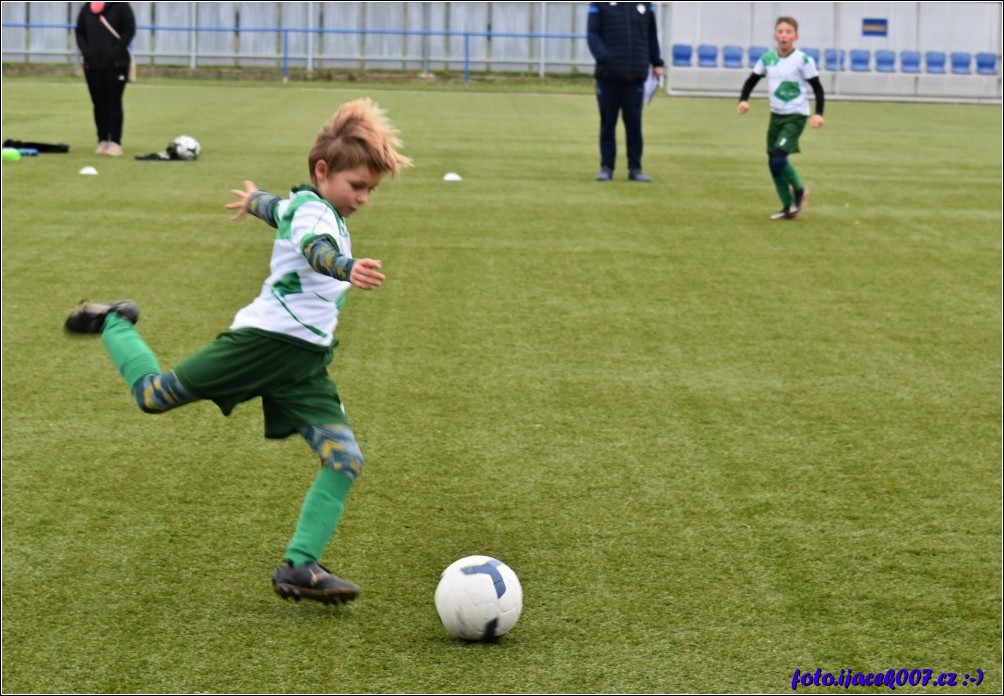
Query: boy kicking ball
(279,346)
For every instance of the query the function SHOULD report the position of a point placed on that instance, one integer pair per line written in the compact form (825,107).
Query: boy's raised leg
(127,349)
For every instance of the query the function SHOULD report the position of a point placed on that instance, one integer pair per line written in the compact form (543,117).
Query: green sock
(790,175)
(783,192)
(322,509)
(128,350)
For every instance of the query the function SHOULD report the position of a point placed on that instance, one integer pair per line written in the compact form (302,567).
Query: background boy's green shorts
(290,376)
(783,132)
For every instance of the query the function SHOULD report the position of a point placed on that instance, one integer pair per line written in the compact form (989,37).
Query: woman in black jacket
(104,31)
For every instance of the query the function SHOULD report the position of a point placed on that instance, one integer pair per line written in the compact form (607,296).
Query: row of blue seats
(934,62)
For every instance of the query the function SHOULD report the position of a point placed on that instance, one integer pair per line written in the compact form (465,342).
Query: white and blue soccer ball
(479,598)
(184,147)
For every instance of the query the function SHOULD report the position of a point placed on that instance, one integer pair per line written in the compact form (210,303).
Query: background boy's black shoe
(801,199)
(312,582)
(89,317)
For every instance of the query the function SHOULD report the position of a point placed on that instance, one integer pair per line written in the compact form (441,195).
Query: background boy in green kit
(279,346)
(789,71)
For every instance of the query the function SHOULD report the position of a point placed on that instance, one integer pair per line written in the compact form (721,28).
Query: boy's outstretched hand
(240,205)
(366,275)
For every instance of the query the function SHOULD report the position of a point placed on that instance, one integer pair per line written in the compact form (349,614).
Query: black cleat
(606,174)
(783,214)
(801,200)
(312,582)
(639,175)
(89,317)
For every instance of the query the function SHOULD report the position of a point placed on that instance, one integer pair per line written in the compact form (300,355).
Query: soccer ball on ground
(478,598)
(184,147)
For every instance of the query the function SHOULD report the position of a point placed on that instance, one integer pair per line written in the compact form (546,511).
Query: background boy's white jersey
(787,80)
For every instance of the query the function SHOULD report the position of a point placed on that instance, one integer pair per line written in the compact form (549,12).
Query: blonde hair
(358,134)
(787,20)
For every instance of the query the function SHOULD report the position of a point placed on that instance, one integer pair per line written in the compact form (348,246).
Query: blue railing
(285,32)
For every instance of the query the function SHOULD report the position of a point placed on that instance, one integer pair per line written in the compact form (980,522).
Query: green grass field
(715,448)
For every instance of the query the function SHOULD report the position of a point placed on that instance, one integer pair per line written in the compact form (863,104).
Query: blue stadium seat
(986,63)
(961,62)
(755,52)
(885,61)
(935,62)
(707,56)
(812,53)
(682,55)
(833,58)
(732,56)
(861,60)
(909,61)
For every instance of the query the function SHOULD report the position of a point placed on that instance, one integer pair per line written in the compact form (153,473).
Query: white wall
(944,26)
(923,26)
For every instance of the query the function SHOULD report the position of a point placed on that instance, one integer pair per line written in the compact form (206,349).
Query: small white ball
(479,598)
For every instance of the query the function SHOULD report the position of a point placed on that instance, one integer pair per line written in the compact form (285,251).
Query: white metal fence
(541,38)
(528,37)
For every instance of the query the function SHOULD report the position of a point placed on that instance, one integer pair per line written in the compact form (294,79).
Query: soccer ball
(478,598)
(184,147)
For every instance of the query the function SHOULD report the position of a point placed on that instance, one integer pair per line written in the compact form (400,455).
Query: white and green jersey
(787,80)
(296,300)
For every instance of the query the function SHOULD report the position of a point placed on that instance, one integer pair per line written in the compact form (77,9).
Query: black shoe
(783,214)
(801,200)
(312,582)
(89,317)
(638,175)
(606,174)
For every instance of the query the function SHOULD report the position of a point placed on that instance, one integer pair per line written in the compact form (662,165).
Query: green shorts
(290,376)
(783,132)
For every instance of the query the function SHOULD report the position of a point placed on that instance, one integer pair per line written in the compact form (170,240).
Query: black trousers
(106,88)
(625,99)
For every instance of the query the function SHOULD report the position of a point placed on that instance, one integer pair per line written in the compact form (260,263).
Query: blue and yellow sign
(875,27)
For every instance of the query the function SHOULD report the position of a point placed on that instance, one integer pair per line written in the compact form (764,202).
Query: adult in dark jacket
(106,66)
(624,42)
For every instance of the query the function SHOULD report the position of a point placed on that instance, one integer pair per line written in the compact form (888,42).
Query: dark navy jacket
(99,47)
(623,39)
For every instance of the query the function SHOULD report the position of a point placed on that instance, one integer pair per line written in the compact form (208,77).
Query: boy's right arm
(261,204)
(747,90)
